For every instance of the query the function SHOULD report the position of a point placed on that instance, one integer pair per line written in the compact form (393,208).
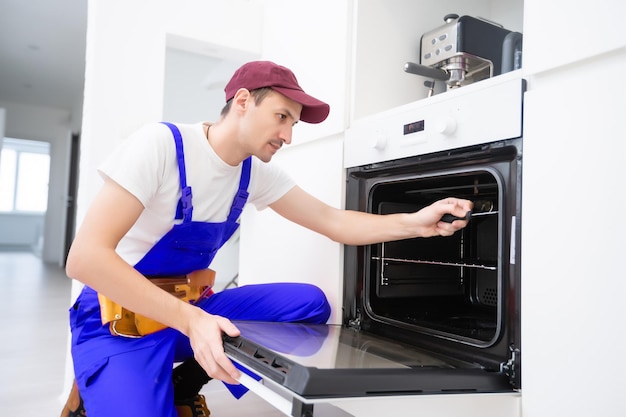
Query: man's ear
(240,99)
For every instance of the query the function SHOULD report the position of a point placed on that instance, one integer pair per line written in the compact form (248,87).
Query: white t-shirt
(145,164)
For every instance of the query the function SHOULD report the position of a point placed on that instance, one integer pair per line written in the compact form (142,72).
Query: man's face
(267,126)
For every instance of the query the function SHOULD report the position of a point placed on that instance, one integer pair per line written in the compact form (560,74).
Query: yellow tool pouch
(123,322)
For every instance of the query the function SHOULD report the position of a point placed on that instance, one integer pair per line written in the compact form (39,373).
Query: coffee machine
(466,50)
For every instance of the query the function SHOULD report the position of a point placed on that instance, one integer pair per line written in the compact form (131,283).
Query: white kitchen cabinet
(572,285)
(559,32)
(573,242)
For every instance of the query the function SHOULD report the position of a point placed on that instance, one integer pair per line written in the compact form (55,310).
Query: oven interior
(455,293)
(447,285)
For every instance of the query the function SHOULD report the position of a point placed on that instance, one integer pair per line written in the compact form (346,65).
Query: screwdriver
(449,218)
(484,208)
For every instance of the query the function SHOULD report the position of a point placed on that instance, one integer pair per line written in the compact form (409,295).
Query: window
(24,174)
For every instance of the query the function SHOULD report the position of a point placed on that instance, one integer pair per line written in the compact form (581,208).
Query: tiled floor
(33,304)
(34,298)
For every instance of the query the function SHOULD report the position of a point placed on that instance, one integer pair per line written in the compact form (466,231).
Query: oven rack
(439,263)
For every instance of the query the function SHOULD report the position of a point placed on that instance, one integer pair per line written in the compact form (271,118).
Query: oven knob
(446,126)
(378,140)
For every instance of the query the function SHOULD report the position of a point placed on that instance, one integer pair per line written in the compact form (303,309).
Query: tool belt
(123,322)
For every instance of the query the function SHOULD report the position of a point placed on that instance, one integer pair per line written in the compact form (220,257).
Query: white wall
(121,98)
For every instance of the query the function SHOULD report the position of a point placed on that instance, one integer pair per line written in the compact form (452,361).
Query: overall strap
(242,193)
(184,208)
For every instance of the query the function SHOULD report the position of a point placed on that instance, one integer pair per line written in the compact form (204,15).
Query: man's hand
(428,220)
(205,336)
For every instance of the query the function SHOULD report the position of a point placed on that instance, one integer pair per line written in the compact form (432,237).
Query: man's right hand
(205,335)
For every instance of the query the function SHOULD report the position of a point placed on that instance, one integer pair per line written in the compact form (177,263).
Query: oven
(425,316)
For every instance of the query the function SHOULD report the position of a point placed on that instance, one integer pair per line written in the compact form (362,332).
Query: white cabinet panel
(573,241)
(560,32)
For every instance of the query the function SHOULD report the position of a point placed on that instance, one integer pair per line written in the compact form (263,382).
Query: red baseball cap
(259,74)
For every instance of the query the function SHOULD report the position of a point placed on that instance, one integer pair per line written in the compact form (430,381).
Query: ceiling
(42,52)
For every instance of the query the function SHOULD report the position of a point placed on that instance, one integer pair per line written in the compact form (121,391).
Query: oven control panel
(483,112)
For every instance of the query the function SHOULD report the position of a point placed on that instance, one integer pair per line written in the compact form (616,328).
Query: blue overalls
(119,376)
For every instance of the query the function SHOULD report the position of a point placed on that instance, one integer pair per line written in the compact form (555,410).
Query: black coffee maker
(466,50)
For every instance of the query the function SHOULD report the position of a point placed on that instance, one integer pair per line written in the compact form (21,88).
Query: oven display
(413,127)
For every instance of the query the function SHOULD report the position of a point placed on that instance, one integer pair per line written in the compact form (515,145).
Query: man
(171,197)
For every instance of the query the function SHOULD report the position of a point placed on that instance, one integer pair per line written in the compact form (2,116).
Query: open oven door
(332,361)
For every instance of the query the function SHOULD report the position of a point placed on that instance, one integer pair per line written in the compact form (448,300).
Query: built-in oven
(421,316)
